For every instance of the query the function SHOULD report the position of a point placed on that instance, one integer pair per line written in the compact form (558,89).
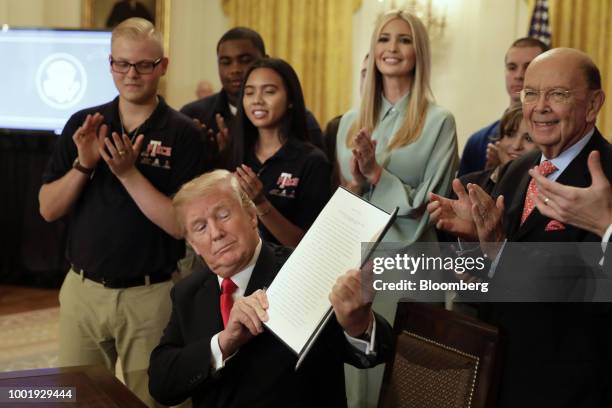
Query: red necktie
(228,287)
(546,168)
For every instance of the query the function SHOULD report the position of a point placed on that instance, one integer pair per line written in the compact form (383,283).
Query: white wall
(41,13)
(195,28)
(468,69)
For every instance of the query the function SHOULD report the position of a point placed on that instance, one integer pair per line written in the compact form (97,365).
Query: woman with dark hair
(512,142)
(287,178)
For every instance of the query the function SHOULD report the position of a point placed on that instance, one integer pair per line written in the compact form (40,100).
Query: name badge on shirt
(286,185)
(156,155)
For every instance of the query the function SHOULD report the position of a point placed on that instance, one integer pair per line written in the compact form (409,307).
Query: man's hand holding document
(299,296)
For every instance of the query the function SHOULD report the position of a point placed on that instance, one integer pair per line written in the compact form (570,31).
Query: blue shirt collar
(568,155)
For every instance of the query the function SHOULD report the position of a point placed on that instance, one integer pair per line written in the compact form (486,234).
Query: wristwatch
(78,166)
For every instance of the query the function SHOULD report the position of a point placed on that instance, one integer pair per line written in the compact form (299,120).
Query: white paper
(299,295)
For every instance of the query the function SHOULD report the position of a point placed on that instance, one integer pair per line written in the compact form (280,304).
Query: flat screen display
(46,75)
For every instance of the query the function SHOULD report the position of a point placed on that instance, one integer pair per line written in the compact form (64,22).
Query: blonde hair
(420,89)
(136,28)
(205,185)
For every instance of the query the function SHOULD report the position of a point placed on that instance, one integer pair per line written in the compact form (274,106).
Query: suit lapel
(207,302)
(264,270)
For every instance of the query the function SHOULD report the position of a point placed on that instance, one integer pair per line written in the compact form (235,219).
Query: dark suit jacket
(205,110)
(262,373)
(555,354)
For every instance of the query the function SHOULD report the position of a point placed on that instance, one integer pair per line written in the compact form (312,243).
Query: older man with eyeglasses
(554,354)
(112,173)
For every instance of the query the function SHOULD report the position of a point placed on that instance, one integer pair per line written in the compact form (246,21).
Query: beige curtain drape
(314,36)
(587,25)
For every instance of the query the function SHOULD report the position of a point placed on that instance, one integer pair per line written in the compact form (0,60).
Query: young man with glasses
(112,173)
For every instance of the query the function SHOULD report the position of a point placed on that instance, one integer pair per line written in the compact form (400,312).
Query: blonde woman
(399,145)
(395,149)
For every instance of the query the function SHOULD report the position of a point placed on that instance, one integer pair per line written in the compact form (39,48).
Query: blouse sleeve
(437,149)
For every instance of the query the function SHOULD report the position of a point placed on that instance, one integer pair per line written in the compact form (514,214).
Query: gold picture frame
(94,14)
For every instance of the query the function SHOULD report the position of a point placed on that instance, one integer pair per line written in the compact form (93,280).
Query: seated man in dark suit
(215,348)
(555,354)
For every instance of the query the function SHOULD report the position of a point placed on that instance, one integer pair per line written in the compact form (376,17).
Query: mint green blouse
(409,172)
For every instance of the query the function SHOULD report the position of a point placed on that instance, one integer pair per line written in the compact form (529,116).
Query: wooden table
(95,387)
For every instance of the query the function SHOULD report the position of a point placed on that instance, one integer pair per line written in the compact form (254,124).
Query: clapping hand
(493,159)
(222,136)
(453,216)
(365,155)
(250,184)
(588,208)
(488,215)
(88,142)
(122,154)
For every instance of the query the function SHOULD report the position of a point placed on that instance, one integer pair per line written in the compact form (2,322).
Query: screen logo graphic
(61,81)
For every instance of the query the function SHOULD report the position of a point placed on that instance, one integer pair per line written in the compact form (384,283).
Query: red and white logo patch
(285,180)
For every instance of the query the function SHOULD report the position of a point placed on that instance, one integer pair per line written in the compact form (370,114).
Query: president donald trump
(215,348)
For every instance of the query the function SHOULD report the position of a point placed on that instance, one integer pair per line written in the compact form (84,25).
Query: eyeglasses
(142,67)
(553,95)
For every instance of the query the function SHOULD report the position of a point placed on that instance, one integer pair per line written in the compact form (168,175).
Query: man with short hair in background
(237,50)
(112,172)
(516,61)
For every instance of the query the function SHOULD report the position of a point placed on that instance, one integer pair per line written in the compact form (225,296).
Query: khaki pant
(98,324)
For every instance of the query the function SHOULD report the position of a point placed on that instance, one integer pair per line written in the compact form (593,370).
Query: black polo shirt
(109,237)
(296,181)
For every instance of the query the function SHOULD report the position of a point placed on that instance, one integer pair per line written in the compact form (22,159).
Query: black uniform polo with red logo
(109,237)
(296,181)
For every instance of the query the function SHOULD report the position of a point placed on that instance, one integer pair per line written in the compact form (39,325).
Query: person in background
(516,61)
(565,333)
(331,132)
(237,50)
(396,148)
(112,173)
(513,142)
(287,177)
(400,144)
(203,89)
